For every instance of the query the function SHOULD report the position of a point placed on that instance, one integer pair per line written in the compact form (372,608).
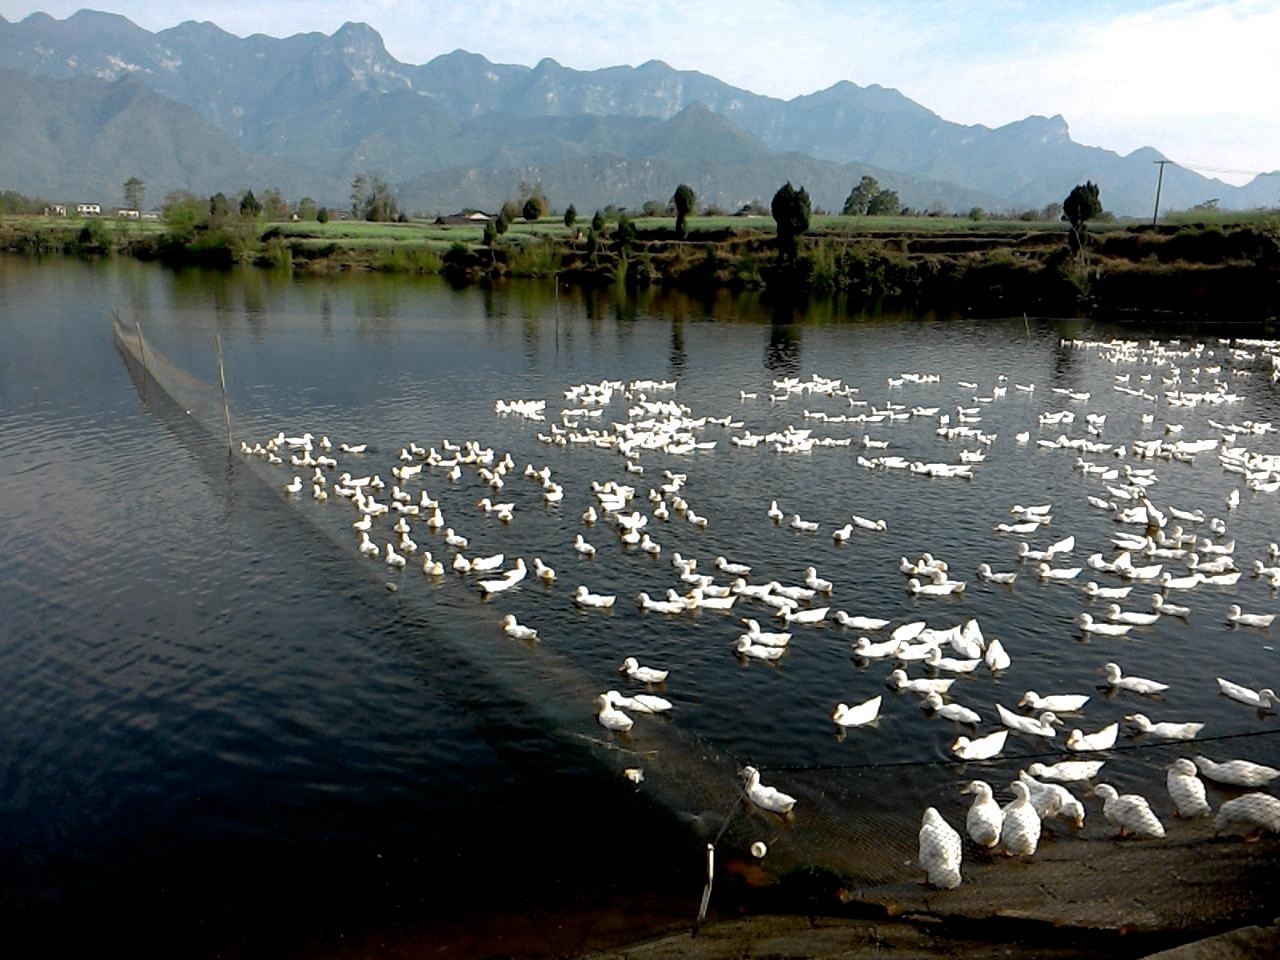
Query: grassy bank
(1214,266)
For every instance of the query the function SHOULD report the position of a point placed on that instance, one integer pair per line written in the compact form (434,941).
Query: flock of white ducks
(1153,539)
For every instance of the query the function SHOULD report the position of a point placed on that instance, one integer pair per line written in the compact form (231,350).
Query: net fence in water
(851,821)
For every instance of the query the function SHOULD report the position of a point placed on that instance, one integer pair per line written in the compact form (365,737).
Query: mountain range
(94,99)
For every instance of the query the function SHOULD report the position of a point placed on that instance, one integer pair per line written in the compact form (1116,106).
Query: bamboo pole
(222,382)
(142,353)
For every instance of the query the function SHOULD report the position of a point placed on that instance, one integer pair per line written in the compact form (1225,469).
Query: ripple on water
(187,656)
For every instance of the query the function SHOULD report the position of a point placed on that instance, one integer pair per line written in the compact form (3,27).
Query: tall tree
(134,192)
(359,190)
(250,208)
(884,204)
(571,216)
(860,197)
(684,198)
(532,209)
(1082,205)
(790,209)
(273,205)
(306,209)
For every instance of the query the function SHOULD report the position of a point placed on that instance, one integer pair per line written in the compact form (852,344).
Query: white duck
(937,661)
(639,702)
(1036,728)
(1133,684)
(863,647)
(1130,812)
(1057,574)
(1186,789)
(985,573)
(1131,617)
(513,628)
(955,712)
(774,513)
(1053,800)
(898,681)
(631,667)
(944,589)
(984,819)
(995,656)
(859,714)
(1057,702)
(1069,771)
(815,582)
(543,572)
(1238,773)
(757,651)
(983,748)
(764,797)
(1160,605)
(857,622)
(1087,624)
(811,616)
(1263,699)
(1165,730)
(1093,591)
(611,718)
(768,639)
(1258,811)
(940,850)
(1020,828)
(797,523)
(1103,739)
(586,598)
(1260,620)
(394,559)
(584,548)
(867,524)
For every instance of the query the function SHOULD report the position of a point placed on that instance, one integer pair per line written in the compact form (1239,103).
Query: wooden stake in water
(706,891)
(222,382)
(142,354)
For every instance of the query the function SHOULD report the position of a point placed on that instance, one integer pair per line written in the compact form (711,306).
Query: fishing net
(851,835)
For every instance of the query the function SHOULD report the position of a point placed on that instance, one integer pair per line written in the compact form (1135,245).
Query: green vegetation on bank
(1200,262)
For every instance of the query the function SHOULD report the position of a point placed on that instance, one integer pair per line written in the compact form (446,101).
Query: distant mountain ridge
(307,112)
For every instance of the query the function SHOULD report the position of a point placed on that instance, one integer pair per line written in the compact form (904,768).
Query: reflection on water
(200,690)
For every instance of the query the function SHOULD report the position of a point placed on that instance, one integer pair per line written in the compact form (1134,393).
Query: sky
(1195,79)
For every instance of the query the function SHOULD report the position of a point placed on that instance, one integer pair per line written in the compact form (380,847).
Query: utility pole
(1159,180)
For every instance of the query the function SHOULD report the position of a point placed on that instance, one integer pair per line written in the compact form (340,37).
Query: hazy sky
(1197,80)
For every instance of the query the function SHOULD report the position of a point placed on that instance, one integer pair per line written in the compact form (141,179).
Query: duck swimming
(955,712)
(631,667)
(1103,739)
(1165,731)
(1263,699)
(857,715)
(1260,620)
(513,628)
(983,748)
(1058,703)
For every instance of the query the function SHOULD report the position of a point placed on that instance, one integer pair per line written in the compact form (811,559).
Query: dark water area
(221,734)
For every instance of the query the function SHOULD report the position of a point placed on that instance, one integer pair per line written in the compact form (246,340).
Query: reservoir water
(220,731)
